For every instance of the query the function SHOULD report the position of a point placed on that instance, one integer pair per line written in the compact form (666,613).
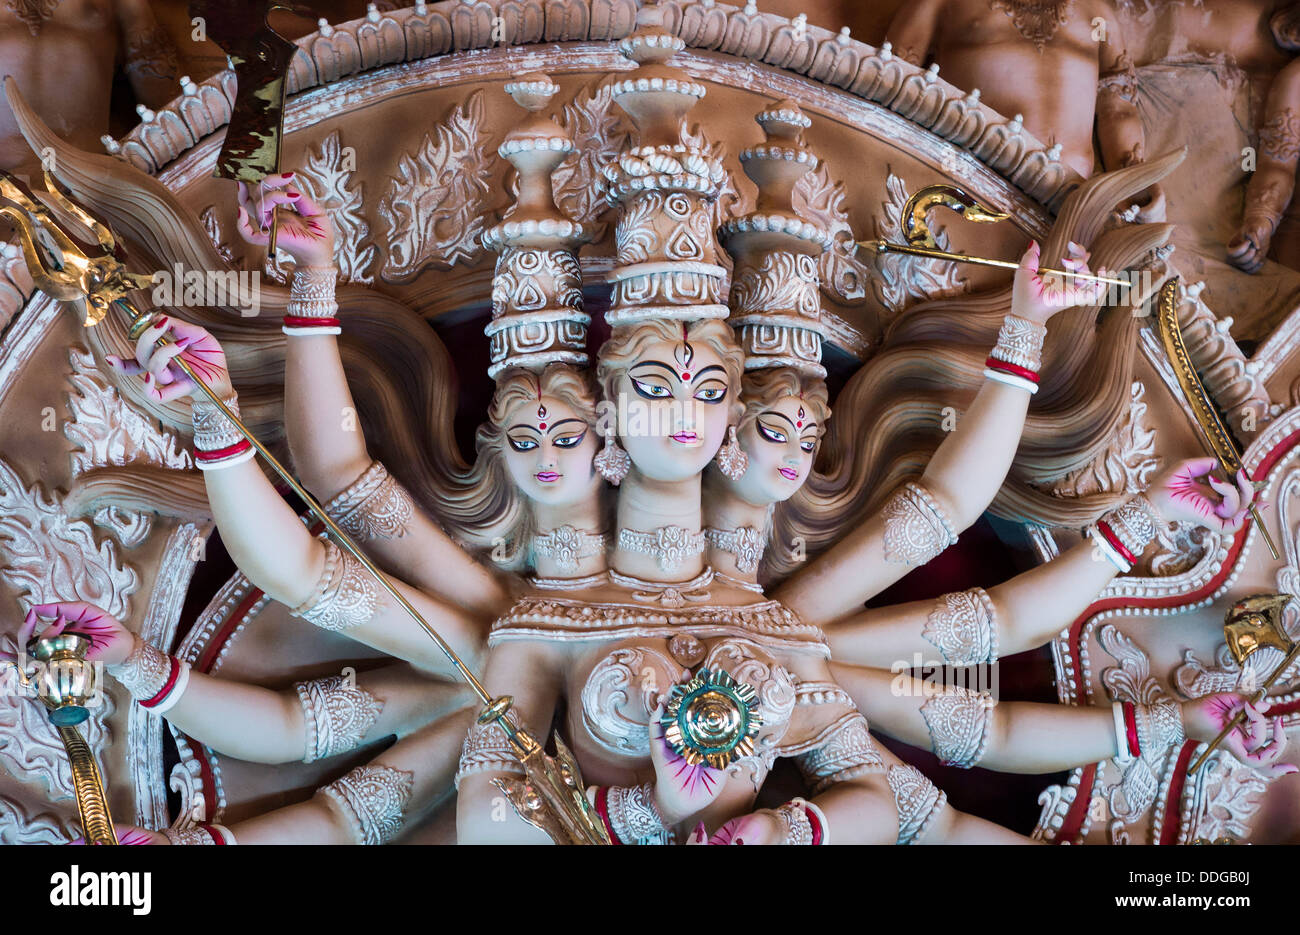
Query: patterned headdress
(775,299)
(537,316)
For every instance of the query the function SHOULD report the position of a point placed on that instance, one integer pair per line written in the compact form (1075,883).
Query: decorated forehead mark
(799,418)
(684,355)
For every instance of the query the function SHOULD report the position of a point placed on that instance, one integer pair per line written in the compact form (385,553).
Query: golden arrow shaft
(1240,716)
(932,253)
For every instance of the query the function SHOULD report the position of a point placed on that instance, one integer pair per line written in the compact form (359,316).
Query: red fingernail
(289,174)
(295,194)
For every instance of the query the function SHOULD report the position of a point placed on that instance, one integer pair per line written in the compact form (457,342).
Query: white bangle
(1010,379)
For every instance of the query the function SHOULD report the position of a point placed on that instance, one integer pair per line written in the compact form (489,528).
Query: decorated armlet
(1124,533)
(217,442)
(958,720)
(916,529)
(201,834)
(1018,355)
(1147,731)
(345,595)
(374,506)
(154,679)
(630,814)
(919,802)
(336,714)
(963,625)
(373,799)
(312,309)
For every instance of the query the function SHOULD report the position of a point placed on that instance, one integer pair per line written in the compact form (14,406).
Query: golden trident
(921,242)
(62,264)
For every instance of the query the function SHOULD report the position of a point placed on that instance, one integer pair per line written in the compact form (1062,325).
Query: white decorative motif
(633,814)
(963,625)
(336,713)
(670,545)
(46,556)
(599,134)
(958,721)
(373,798)
(487,749)
(744,542)
(104,430)
(843,276)
(631,678)
(918,801)
(436,205)
(325,180)
(899,280)
(1232,795)
(783,282)
(1132,681)
(374,506)
(773,686)
(1127,462)
(567,546)
(346,595)
(915,528)
(842,752)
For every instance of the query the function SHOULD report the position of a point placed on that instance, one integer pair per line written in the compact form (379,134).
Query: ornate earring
(732,460)
(612,462)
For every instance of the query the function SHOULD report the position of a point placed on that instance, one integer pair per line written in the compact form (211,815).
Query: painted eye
(651,390)
(522,444)
(771,435)
(711,394)
(570,441)
(809,445)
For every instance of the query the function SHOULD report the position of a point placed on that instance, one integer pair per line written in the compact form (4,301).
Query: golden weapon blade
(1207,417)
(921,242)
(100,277)
(1249,625)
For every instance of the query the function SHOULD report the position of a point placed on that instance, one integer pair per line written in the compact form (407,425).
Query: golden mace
(551,796)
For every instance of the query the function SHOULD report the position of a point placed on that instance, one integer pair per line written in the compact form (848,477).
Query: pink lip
(685,438)
(789,474)
(547,477)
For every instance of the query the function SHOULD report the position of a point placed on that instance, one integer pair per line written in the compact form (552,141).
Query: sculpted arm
(325,436)
(1272,185)
(532,672)
(912,31)
(976,626)
(966,728)
(963,476)
(150,57)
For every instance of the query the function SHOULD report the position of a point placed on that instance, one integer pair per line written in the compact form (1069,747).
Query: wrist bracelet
(1011,379)
(217,441)
(154,679)
(1147,730)
(1124,533)
(201,834)
(805,823)
(311,308)
(1019,346)
(631,814)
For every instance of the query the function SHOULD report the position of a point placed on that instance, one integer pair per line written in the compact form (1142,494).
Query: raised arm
(977,626)
(912,31)
(316,578)
(324,431)
(963,476)
(1272,184)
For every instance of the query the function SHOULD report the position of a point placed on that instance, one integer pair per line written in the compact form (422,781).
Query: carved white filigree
(1125,465)
(1232,794)
(820,199)
(636,676)
(326,178)
(599,134)
(899,280)
(1132,681)
(46,556)
(437,204)
(730,202)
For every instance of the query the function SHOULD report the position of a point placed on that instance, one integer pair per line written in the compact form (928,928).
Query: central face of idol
(548,452)
(673,408)
(780,443)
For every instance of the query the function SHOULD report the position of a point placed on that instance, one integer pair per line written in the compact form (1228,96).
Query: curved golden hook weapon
(551,796)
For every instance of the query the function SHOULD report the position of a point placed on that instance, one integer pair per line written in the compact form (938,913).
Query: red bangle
(166,690)
(1131,729)
(816,826)
(217,837)
(1023,372)
(602,810)
(221,454)
(298,321)
(1115,544)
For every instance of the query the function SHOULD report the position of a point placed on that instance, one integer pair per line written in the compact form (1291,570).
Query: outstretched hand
(303,230)
(681,789)
(1038,296)
(1257,742)
(1189,491)
(156,364)
(762,827)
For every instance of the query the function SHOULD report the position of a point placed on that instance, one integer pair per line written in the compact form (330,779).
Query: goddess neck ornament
(567,546)
(745,543)
(659,519)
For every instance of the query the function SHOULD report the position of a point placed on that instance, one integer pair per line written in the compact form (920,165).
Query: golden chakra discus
(712,719)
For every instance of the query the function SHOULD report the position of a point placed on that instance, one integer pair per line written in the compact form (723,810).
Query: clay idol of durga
(651,552)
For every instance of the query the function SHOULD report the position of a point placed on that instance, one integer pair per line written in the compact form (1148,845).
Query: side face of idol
(673,409)
(549,448)
(780,443)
